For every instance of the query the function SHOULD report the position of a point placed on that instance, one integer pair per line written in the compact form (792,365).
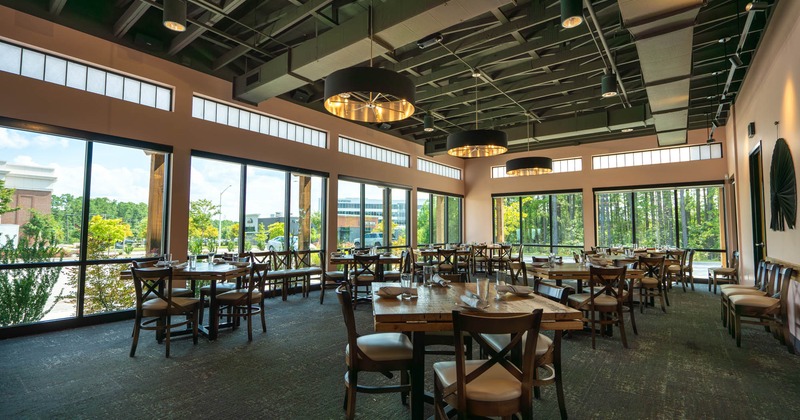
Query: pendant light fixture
(608,85)
(427,123)
(477,143)
(369,94)
(174,17)
(530,165)
(571,13)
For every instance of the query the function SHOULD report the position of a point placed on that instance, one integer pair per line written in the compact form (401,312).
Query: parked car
(370,239)
(277,244)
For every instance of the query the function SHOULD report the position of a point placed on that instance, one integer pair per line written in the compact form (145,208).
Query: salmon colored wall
(480,187)
(42,102)
(770,93)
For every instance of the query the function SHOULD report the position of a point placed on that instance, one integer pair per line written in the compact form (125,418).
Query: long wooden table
(572,271)
(205,271)
(432,311)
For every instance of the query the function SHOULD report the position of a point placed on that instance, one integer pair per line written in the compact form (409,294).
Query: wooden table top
(348,259)
(573,271)
(432,309)
(203,271)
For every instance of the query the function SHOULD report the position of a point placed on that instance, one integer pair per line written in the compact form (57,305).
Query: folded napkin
(472,300)
(166,263)
(517,290)
(181,266)
(219,261)
(392,291)
(437,280)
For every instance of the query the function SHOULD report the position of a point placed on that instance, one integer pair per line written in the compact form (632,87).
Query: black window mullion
(633,216)
(87,180)
(242,206)
(677,219)
(361,217)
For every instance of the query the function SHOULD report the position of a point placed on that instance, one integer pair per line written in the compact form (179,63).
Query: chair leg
(263,317)
(633,319)
(249,322)
(350,410)
(404,381)
(168,330)
(661,298)
(195,317)
(321,289)
(738,330)
(135,342)
(621,323)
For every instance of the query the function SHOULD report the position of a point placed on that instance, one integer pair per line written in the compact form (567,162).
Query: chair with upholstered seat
(651,285)
(493,387)
(365,272)
(673,269)
(246,301)
(331,279)
(479,258)
(769,311)
(403,268)
(155,313)
(446,260)
(379,352)
(500,258)
(305,265)
(766,273)
(724,274)
(607,297)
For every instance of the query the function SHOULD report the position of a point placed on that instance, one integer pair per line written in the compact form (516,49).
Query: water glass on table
(405,283)
(192,262)
(211,258)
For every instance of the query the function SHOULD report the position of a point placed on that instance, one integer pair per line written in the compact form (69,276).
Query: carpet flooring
(682,365)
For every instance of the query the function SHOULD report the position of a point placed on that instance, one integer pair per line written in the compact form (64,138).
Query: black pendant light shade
(532,165)
(609,85)
(174,17)
(369,94)
(571,13)
(477,143)
(427,123)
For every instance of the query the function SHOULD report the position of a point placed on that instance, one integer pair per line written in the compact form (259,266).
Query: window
(438,218)
(683,217)
(214,200)
(438,169)
(49,68)
(305,212)
(220,113)
(122,218)
(658,156)
(382,221)
(559,166)
(357,148)
(543,223)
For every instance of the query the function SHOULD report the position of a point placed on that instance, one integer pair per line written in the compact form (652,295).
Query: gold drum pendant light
(530,165)
(477,143)
(174,17)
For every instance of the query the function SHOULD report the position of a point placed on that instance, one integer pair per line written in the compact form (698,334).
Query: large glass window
(544,223)
(306,211)
(438,218)
(73,246)
(214,206)
(265,206)
(382,221)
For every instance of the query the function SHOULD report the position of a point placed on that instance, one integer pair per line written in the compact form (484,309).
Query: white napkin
(439,281)
(393,291)
(472,300)
(517,290)
(219,261)
(166,263)
(180,266)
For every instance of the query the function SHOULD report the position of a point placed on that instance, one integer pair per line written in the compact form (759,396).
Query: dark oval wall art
(783,188)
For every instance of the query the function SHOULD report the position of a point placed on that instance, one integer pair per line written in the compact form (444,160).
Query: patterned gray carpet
(682,365)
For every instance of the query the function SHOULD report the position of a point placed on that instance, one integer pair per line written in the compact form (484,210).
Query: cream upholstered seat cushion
(221,288)
(500,341)
(674,268)
(237,294)
(754,301)
(584,299)
(384,346)
(735,286)
(723,270)
(160,305)
(650,282)
(738,291)
(496,384)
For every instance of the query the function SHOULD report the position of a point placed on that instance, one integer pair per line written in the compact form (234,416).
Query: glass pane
(655,218)
(114,85)
(76,76)
(148,95)
(399,217)
(535,212)
(55,70)
(614,219)
(264,225)
(164,98)
(700,217)
(33,64)
(45,176)
(10,58)
(348,221)
(306,212)
(423,218)
(132,90)
(454,220)
(214,206)
(499,204)
(373,216)
(96,81)
(567,224)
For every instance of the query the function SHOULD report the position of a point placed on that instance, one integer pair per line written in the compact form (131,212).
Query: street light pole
(219,232)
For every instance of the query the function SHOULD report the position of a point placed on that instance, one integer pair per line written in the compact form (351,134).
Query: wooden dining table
(205,271)
(572,271)
(432,310)
(346,260)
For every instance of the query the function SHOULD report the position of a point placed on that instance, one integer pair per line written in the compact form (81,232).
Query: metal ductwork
(396,23)
(663,31)
(564,128)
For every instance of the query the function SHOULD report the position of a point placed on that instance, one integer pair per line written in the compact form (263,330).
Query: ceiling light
(476,73)
(756,6)
(609,85)
(477,143)
(174,17)
(433,39)
(369,94)
(427,123)
(627,130)
(532,165)
(571,13)
(736,60)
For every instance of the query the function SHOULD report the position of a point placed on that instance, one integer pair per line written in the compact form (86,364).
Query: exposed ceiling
(530,68)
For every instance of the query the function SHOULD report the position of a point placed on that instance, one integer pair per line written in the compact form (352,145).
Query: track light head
(427,123)
(571,13)
(756,6)
(736,60)
(609,85)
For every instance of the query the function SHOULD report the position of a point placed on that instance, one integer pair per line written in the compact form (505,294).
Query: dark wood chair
(446,260)
(652,284)
(769,311)
(725,274)
(607,297)
(493,387)
(307,268)
(247,301)
(500,258)
(331,279)
(765,273)
(365,272)
(480,258)
(403,268)
(380,352)
(155,305)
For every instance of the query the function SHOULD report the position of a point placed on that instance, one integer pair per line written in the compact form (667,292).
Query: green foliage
(201,222)
(104,233)
(68,210)
(5,198)
(196,246)
(42,227)
(260,238)
(423,223)
(275,230)
(127,249)
(24,291)
(544,220)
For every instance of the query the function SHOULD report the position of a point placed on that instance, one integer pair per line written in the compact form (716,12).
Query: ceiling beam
(194,31)
(132,14)
(56,6)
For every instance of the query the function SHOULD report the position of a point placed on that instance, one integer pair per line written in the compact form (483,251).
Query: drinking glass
(427,275)
(211,257)
(405,283)
(483,288)
(192,262)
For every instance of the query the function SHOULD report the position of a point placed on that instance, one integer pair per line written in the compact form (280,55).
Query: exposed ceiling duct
(396,24)
(663,31)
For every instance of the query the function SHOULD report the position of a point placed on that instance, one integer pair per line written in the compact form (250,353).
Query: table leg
(214,314)
(557,367)
(418,376)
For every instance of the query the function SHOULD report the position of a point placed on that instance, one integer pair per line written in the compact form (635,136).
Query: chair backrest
(609,281)
(346,302)
(688,260)
(553,292)
(786,278)
(676,256)
(445,259)
(282,260)
(772,279)
(303,259)
(366,267)
(261,256)
(257,279)
(479,251)
(503,252)
(519,273)
(477,324)
(405,262)
(735,262)
(152,283)
(652,266)
(761,275)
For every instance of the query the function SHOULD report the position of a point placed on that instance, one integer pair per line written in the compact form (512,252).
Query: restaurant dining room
(385,209)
